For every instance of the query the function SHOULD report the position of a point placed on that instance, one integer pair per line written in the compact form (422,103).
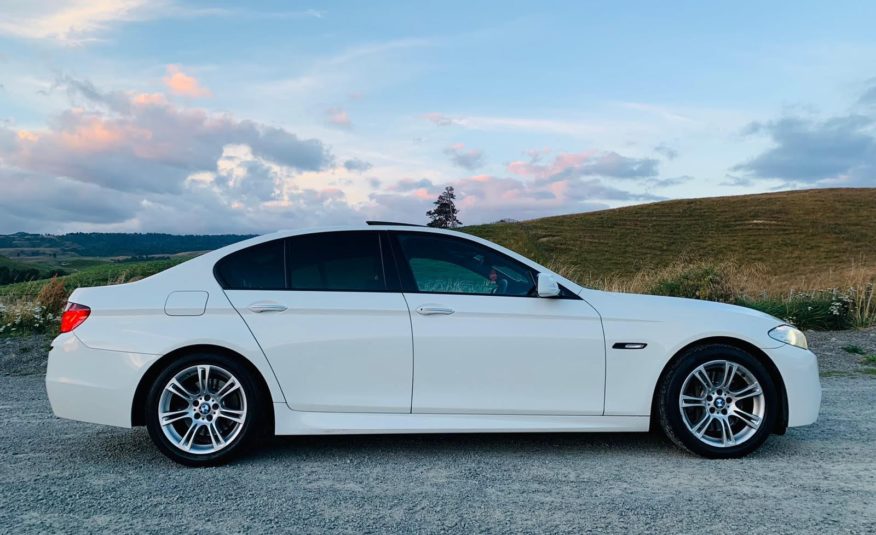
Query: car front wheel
(718,401)
(201,410)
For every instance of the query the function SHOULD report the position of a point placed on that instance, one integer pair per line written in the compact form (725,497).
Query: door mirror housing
(547,286)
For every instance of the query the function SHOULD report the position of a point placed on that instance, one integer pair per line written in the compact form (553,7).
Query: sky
(214,117)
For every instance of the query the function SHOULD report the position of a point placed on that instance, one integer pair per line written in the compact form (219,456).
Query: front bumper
(799,370)
(93,385)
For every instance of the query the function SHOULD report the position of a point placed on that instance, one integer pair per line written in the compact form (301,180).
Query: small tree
(444,213)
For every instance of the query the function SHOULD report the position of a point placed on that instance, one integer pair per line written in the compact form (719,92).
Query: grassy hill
(98,275)
(808,257)
(799,238)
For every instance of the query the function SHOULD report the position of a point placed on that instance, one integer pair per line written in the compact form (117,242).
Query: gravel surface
(59,475)
(24,355)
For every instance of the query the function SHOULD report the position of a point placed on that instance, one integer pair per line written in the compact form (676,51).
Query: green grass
(795,235)
(869,359)
(853,349)
(99,275)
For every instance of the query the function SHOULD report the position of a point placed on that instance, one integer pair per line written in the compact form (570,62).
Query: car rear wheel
(202,410)
(718,401)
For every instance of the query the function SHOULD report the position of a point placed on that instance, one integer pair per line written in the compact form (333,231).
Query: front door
(335,337)
(484,343)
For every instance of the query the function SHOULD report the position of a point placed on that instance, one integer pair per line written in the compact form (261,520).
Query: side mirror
(547,286)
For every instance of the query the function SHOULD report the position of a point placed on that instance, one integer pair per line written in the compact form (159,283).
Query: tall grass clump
(26,317)
(851,303)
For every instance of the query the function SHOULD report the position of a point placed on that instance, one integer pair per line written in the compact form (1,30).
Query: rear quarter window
(260,267)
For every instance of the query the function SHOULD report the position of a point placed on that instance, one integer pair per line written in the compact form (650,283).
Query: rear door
(337,337)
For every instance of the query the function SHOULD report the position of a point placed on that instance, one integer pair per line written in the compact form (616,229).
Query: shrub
(26,318)
(699,281)
(53,296)
(824,310)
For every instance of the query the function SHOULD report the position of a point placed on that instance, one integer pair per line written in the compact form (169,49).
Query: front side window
(444,264)
(336,261)
(259,267)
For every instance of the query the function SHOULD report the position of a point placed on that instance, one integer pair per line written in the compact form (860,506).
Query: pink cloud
(584,163)
(439,119)
(338,117)
(180,83)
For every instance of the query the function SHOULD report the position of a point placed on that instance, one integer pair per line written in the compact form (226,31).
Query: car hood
(642,307)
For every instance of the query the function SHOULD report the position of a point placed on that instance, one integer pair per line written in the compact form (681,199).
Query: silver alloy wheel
(202,409)
(722,403)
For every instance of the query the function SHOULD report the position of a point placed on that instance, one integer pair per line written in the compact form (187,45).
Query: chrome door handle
(433,310)
(267,307)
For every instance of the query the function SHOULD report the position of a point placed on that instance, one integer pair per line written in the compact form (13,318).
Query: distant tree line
(120,244)
(13,274)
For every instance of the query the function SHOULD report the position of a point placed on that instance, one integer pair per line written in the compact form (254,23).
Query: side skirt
(289,422)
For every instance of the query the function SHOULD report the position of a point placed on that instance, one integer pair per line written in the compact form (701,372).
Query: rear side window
(336,261)
(260,267)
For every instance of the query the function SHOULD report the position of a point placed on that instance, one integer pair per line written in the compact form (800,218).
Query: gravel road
(66,476)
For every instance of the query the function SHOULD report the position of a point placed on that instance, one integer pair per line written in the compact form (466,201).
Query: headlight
(789,335)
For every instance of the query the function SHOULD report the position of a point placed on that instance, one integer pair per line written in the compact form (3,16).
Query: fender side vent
(629,345)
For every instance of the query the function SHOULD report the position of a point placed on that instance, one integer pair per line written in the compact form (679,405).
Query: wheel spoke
(700,428)
(215,435)
(749,391)
(189,437)
(703,376)
(727,436)
(692,401)
(751,420)
(174,387)
(233,415)
(729,372)
(204,379)
(230,386)
(168,418)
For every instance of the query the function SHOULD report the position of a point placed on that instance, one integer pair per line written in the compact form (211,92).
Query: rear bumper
(93,385)
(799,369)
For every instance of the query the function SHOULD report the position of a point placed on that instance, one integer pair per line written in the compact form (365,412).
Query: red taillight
(73,316)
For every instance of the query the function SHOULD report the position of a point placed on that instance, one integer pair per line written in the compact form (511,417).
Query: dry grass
(801,239)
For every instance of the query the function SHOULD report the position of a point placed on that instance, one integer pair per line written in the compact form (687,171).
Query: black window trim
(387,287)
(409,285)
(397,275)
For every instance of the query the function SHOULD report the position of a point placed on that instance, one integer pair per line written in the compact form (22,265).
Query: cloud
(470,159)
(439,119)
(525,124)
(837,150)
(586,163)
(666,151)
(70,22)
(357,165)
(338,117)
(140,142)
(486,198)
(657,183)
(180,83)
(78,22)
(410,184)
(869,96)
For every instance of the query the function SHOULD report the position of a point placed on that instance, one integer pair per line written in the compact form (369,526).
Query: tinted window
(259,267)
(442,264)
(339,261)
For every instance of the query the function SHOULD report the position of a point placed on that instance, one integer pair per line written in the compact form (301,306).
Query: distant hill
(796,236)
(12,271)
(94,244)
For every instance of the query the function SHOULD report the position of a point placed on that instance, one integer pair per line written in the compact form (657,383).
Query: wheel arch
(775,375)
(139,402)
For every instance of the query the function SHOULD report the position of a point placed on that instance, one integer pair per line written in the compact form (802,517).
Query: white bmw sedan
(389,328)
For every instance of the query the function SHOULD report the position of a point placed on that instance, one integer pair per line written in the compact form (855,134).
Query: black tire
(249,430)
(669,413)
